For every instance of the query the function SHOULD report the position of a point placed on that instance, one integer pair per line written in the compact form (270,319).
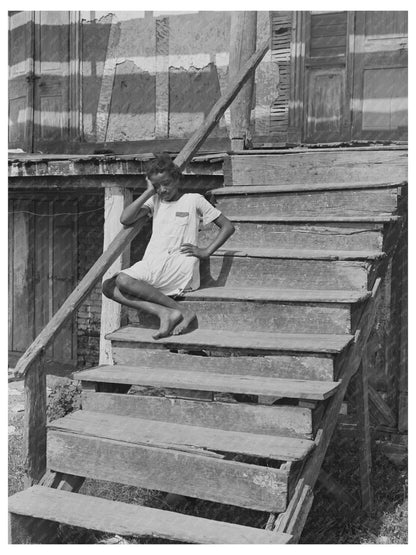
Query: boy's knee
(108,287)
(122,281)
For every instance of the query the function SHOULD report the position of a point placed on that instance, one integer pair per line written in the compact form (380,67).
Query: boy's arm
(135,210)
(225,231)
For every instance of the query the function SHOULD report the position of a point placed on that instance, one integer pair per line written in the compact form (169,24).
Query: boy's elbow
(231,228)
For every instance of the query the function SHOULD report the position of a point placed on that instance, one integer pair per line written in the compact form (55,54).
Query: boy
(170,264)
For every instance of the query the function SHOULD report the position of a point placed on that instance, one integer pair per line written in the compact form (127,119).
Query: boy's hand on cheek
(192,250)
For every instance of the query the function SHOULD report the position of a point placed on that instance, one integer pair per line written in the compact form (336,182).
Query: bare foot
(189,318)
(168,320)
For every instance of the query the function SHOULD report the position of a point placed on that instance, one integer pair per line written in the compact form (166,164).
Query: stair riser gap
(203,477)
(330,236)
(289,421)
(279,317)
(336,166)
(300,366)
(358,202)
(284,273)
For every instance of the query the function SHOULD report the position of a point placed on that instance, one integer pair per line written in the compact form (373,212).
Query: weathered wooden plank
(267,316)
(354,203)
(116,199)
(300,254)
(316,167)
(323,218)
(34,435)
(160,376)
(259,341)
(301,366)
(245,271)
(243,34)
(364,437)
(125,519)
(274,295)
(241,417)
(343,236)
(380,408)
(177,437)
(305,187)
(194,475)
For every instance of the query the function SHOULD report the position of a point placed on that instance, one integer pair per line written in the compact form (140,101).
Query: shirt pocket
(181,218)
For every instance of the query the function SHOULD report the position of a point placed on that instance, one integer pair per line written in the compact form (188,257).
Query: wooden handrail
(125,236)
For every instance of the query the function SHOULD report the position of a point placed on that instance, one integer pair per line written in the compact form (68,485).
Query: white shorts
(172,277)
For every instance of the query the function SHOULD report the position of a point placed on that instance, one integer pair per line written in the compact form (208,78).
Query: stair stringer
(294,518)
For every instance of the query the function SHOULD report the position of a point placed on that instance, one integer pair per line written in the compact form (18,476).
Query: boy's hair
(163,163)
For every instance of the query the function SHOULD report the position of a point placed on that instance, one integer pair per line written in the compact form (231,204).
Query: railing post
(116,199)
(243,35)
(35,421)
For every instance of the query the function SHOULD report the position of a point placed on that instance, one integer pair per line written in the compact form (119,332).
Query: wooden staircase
(241,410)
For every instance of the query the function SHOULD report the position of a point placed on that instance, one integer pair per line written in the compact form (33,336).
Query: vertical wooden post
(243,35)
(35,422)
(116,198)
(364,438)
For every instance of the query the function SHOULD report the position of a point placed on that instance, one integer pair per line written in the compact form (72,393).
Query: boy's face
(166,186)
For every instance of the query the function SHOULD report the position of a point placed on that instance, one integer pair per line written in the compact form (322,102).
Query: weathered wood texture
(34,438)
(316,167)
(333,236)
(179,472)
(267,316)
(159,376)
(116,199)
(240,417)
(244,341)
(353,202)
(245,271)
(177,437)
(300,366)
(243,34)
(124,519)
(364,438)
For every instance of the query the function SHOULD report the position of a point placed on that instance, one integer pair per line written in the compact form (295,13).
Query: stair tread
(302,187)
(269,294)
(125,519)
(157,375)
(370,218)
(181,437)
(300,253)
(248,340)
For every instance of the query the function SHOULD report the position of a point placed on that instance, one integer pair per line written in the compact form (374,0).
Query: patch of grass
(63,399)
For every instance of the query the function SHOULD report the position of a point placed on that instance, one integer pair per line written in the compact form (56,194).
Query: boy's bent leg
(168,317)
(146,292)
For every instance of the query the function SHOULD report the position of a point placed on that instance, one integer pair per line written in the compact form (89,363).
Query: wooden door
(51,86)
(42,271)
(21,79)
(380,76)
(326,68)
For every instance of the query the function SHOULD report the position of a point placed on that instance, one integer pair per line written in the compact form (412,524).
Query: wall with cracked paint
(152,75)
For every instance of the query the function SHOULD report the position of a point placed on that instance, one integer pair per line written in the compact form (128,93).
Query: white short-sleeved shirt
(174,223)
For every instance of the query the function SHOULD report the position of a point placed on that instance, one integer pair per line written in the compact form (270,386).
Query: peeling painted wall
(148,76)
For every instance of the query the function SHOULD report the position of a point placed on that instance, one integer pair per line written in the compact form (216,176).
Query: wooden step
(322,218)
(171,406)
(270,310)
(287,269)
(178,437)
(186,460)
(154,375)
(308,366)
(270,343)
(330,203)
(276,295)
(343,236)
(317,166)
(124,519)
(305,187)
